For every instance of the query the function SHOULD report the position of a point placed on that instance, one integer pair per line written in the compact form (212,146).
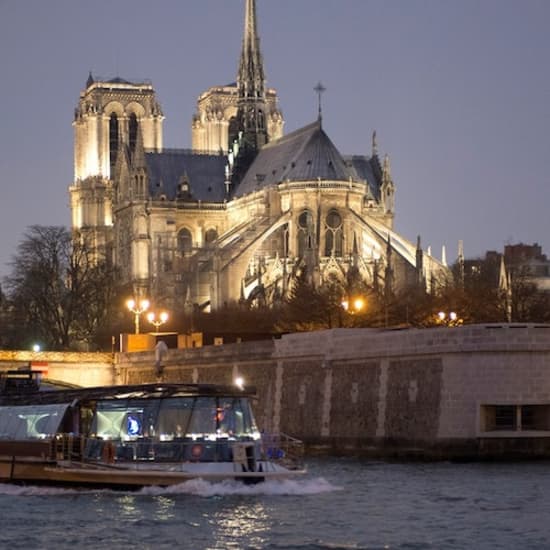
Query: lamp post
(450,319)
(162,318)
(353,306)
(137,309)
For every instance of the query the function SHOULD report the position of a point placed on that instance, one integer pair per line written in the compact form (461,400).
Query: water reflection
(165,510)
(128,508)
(249,522)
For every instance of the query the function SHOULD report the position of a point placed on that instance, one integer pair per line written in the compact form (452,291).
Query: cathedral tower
(110,115)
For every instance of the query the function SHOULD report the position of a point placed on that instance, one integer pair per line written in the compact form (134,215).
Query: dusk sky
(457,91)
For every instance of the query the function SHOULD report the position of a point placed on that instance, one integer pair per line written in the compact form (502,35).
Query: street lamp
(162,318)
(137,310)
(450,319)
(356,305)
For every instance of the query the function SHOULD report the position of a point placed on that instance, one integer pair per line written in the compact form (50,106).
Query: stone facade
(245,212)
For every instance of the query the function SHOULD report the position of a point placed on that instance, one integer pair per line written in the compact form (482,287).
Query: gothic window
(305,230)
(132,131)
(333,234)
(113,140)
(261,120)
(185,242)
(210,236)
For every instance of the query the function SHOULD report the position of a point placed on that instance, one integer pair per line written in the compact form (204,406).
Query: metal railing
(279,448)
(284,450)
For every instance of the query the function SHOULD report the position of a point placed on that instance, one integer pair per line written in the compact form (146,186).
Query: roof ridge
(293,134)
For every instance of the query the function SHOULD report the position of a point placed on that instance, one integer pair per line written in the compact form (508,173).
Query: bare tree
(59,294)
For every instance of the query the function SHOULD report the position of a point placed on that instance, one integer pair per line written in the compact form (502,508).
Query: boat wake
(196,487)
(199,487)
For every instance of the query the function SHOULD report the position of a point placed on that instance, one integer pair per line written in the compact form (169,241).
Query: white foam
(199,487)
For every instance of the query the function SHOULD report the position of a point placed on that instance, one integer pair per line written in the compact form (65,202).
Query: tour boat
(136,435)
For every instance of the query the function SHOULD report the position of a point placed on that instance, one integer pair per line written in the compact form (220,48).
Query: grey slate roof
(304,155)
(205,174)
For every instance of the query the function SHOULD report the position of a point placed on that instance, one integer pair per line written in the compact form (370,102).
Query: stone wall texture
(398,393)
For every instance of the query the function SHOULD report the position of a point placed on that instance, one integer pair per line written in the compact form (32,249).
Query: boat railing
(284,450)
(279,448)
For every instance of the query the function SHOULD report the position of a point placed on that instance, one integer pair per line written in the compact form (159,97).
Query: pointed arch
(334,236)
(185,241)
(210,236)
(132,131)
(114,133)
(305,228)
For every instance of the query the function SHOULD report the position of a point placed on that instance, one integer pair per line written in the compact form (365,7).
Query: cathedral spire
(251,71)
(251,103)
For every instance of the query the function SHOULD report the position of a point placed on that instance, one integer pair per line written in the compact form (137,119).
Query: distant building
(517,260)
(247,210)
(529,262)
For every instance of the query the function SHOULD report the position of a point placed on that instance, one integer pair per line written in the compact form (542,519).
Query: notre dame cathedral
(246,211)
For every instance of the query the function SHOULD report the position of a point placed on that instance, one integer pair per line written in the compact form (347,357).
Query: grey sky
(458,92)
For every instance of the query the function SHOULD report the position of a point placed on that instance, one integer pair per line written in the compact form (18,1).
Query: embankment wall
(427,393)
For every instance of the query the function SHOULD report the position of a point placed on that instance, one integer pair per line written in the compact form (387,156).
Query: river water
(339,504)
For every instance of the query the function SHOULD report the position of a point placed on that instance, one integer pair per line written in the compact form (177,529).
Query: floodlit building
(247,210)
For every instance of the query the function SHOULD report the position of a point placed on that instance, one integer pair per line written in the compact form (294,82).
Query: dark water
(341,504)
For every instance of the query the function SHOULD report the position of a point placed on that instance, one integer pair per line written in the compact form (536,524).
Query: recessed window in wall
(185,242)
(516,418)
(334,238)
(210,236)
(305,232)
(113,141)
(132,132)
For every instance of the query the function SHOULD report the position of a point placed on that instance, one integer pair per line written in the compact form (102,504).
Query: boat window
(31,421)
(125,419)
(197,417)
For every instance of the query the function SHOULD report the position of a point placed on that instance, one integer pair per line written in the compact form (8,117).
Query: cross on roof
(320,89)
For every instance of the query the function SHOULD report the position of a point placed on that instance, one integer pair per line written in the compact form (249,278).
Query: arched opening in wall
(113,140)
(261,120)
(185,242)
(305,232)
(210,236)
(132,132)
(334,238)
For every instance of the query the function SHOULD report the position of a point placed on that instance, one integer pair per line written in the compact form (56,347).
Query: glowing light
(162,318)
(36,347)
(450,319)
(137,310)
(357,304)
(239,382)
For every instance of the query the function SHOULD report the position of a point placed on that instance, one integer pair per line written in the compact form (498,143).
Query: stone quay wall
(439,393)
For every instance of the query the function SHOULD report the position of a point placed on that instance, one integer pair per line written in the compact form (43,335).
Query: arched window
(132,132)
(185,242)
(210,236)
(113,140)
(334,239)
(305,232)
